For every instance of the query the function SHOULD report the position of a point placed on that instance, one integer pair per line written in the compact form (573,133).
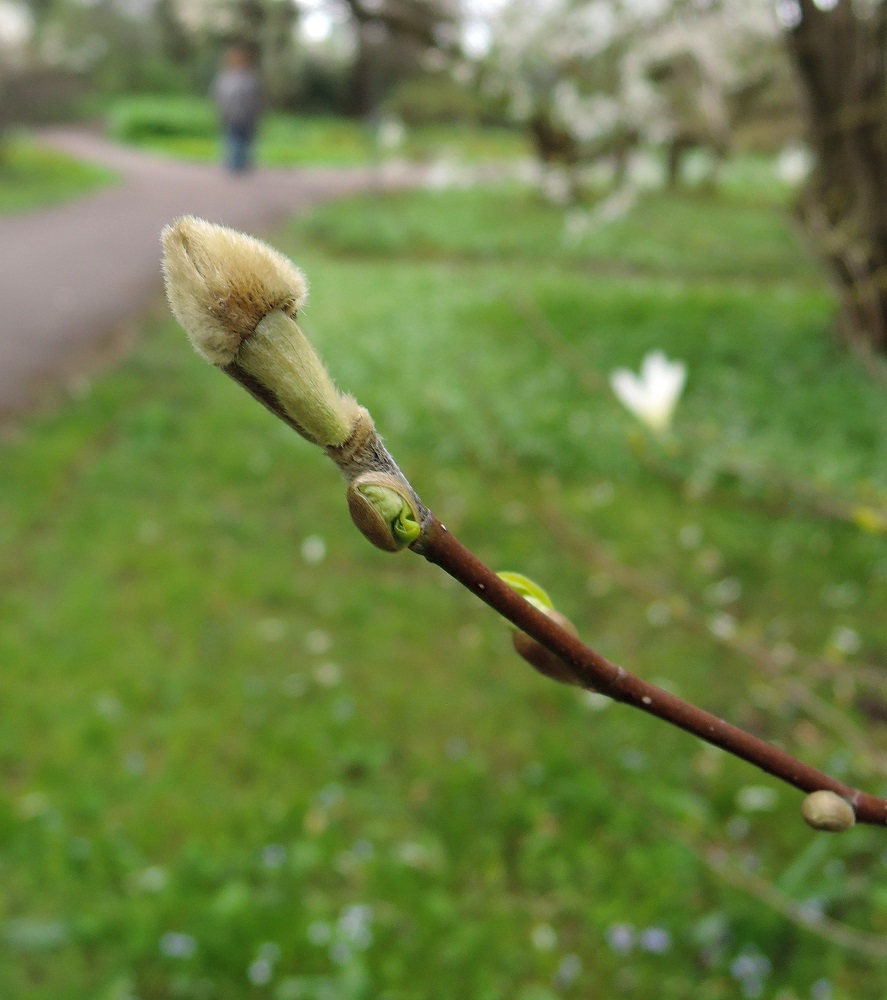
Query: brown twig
(833,931)
(744,645)
(592,670)
(237,298)
(785,494)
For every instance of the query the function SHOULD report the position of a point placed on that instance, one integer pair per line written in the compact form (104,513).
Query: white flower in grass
(793,165)
(652,395)
(390,133)
(543,937)
(174,944)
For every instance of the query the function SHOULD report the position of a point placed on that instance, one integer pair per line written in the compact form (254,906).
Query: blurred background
(242,754)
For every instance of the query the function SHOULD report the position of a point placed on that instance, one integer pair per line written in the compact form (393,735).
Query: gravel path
(71,276)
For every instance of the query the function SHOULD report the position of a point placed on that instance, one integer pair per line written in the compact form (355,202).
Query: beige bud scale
(221,283)
(827,811)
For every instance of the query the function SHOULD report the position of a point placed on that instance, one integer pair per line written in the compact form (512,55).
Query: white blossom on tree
(596,80)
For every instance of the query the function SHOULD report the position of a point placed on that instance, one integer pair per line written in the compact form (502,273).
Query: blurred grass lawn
(189,128)
(32,176)
(244,755)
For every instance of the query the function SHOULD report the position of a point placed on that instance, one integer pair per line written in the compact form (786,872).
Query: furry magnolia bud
(827,811)
(220,283)
(237,299)
(280,358)
(383,510)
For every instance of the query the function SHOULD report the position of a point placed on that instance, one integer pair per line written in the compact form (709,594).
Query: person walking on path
(237,91)
(66,310)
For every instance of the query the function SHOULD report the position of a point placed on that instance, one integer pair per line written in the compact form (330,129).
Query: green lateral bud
(383,511)
(543,659)
(533,652)
(528,589)
(237,300)
(827,811)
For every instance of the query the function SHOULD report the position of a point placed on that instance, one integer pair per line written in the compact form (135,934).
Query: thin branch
(743,645)
(718,861)
(784,489)
(594,671)
(237,299)
(863,942)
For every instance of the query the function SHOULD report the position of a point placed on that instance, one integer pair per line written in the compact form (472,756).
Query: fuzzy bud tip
(221,283)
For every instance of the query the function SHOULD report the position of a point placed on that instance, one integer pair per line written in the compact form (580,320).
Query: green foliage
(746,239)
(430,100)
(246,755)
(143,119)
(188,128)
(32,175)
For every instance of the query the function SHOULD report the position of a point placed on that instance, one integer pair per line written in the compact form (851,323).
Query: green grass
(188,128)
(211,731)
(32,176)
(739,241)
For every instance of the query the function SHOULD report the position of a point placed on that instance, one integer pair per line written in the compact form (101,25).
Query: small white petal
(652,397)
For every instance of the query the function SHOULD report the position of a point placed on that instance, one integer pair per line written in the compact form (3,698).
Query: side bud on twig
(827,811)
(383,509)
(529,649)
(543,659)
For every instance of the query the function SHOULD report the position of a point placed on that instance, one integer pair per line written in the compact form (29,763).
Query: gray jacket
(238,96)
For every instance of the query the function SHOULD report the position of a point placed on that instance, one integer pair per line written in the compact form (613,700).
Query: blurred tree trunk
(4,119)
(279,52)
(175,42)
(841,57)
(393,37)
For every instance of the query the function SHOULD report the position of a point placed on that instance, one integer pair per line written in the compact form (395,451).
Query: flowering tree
(593,80)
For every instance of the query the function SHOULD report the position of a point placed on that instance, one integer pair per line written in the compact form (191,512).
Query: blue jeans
(239,147)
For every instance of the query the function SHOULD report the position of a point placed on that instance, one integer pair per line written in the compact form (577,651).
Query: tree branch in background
(238,300)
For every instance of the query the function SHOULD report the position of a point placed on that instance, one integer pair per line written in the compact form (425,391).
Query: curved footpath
(72,275)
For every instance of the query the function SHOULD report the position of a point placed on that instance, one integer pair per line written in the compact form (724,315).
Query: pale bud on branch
(238,299)
(827,811)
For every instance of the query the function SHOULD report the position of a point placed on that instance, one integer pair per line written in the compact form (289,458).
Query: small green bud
(543,659)
(533,652)
(528,590)
(827,811)
(383,510)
